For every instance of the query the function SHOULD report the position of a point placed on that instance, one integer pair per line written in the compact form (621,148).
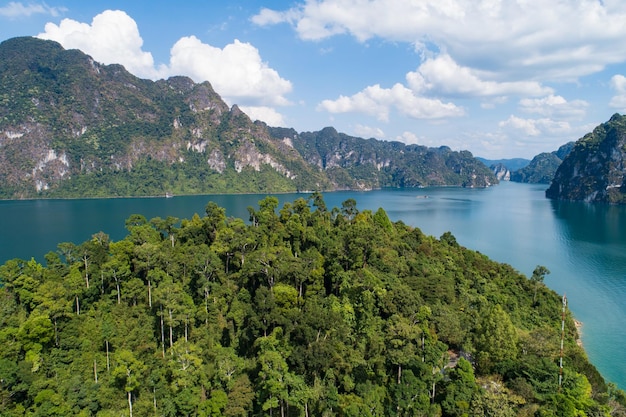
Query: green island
(302,310)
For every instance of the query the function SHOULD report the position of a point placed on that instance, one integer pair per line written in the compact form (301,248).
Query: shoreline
(579,326)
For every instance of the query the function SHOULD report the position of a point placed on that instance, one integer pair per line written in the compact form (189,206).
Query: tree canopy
(298,311)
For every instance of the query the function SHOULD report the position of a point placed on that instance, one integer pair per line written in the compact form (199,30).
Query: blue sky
(500,78)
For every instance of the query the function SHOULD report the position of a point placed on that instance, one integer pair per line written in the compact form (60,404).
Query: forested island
(302,310)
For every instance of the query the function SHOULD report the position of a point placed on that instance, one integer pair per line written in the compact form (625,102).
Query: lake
(584,246)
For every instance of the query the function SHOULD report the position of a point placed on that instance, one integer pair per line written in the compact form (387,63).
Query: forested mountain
(542,168)
(370,162)
(302,311)
(595,170)
(71,127)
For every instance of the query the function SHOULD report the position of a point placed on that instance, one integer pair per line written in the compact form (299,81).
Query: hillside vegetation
(71,127)
(594,170)
(542,168)
(302,311)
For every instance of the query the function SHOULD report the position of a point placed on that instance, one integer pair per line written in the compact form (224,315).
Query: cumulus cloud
(444,76)
(111,38)
(533,37)
(368,132)
(378,102)
(411,138)
(15,9)
(236,71)
(618,83)
(268,115)
(536,127)
(555,106)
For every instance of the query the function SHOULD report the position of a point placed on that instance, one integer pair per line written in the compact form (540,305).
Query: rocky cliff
(501,172)
(373,163)
(594,170)
(71,127)
(542,167)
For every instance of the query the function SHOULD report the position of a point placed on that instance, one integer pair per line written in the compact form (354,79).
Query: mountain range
(72,127)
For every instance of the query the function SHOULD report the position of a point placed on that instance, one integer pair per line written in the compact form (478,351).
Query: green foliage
(81,129)
(302,311)
(540,170)
(367,163)
(593,170)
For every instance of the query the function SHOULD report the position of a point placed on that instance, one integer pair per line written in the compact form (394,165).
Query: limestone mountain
(370,163)
(594,170)
(511,164)
(542,167)
(501,172)
(72,127)
(502,168)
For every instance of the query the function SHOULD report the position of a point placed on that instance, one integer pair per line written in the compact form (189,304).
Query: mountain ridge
(71,127)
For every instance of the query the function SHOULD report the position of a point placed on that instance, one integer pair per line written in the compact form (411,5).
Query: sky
(499,78)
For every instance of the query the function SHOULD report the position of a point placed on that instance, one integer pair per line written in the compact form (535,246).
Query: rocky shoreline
(579,327)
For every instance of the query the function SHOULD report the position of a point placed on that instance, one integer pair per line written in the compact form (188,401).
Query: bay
(584,246)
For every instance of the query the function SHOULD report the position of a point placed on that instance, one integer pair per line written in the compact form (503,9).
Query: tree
(240,397)
(128,374)
(348,209)
(537,278)
(459,389)
(273,373)
(402,340)
(496,339)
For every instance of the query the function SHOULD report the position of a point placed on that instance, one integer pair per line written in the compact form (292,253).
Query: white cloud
(457,142)
(445,77)
(236,71)
(555,106)
(368,132)
(111,38)
(15,9)
(378,102)
(494,102)
(272,17)
(618,83)
(265,114)
(536,127)
(533,37)
(411,138)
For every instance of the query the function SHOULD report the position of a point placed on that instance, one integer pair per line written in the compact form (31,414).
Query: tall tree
(128,374)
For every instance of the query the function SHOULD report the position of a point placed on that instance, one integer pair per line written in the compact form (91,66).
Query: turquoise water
(583,246)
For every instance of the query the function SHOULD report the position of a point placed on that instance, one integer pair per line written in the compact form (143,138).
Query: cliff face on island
(72,127)
(594,171)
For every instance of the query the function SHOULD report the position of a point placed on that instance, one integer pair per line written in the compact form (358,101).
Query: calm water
(583,246)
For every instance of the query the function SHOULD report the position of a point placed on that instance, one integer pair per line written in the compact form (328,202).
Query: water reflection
(594,239)
(596,223)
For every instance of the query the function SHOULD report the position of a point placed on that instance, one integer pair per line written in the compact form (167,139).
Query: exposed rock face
(63,116)
(369,163)
(70,126)
(501,172)
(594,171)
